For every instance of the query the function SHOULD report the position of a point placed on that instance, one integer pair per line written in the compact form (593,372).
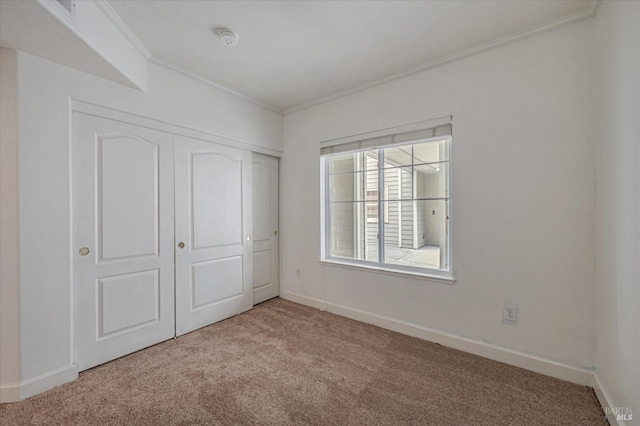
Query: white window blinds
(399,135)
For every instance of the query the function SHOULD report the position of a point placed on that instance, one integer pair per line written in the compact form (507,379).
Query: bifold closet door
(265,228)
(213,233)
(123,238)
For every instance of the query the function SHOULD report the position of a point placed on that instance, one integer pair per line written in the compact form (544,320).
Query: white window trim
(445,278)
(381,267)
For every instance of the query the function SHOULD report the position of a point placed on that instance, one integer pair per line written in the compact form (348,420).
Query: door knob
(84,251)
(181,244)
(275,232)
(248,237)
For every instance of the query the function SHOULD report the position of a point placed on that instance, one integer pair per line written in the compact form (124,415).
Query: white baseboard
(304,300)
(18,391)
(48,381)
(581,376)
(605,401)
(10,392)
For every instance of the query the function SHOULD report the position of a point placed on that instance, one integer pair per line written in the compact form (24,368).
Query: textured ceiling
(294,52)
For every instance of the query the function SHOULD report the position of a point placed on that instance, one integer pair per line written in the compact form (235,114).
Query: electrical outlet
(510,312)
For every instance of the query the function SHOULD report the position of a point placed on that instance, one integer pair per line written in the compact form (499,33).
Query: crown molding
(176,68)
(106,9)
(112,15)
(589,12)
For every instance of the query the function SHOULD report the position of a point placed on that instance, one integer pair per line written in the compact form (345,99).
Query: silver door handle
(275,232)
(248,237)
(84,251)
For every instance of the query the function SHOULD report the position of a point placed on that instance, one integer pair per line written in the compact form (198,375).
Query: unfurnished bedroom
(319,212)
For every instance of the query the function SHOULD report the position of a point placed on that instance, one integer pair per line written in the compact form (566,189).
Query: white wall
(44,89)
(9,281)
(617,61)
(523,188)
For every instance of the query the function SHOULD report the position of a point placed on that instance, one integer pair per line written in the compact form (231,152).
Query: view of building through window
(409,183)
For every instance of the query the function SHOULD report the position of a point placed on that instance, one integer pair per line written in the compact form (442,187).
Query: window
(411,171)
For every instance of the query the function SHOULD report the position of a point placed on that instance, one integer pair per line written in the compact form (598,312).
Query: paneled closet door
(213,233)
(123,238)
(265,228)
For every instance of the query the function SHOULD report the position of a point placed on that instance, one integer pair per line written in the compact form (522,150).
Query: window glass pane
(406,183)
(397,156)
(342,230)
(369,236)
(392,215)
(352,236)
(370,160)
(398,184)
(353,162)
(352,186)
(417,234)
(430,152)
(343,187)
(372,209)
(431,180)
(390,184)
(344,163)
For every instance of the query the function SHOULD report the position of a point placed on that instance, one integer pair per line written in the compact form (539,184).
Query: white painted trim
(72,311)
(117,22)
(387,269)
(152,123)
(18,391)
(605,400)
(48,381)
(176,68)
(537,364)
(304,300)
(10,393)
(511,38)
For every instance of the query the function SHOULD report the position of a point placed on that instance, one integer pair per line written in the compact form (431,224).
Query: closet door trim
(168,127)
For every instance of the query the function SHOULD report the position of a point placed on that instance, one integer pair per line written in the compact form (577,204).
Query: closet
(265,227)
(163,235)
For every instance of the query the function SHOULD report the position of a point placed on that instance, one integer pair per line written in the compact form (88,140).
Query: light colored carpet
(287,364)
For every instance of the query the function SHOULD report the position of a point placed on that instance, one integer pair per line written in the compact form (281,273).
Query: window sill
(444,279)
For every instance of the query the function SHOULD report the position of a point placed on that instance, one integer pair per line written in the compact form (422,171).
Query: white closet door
(213,233)
(123,238)
(265,228)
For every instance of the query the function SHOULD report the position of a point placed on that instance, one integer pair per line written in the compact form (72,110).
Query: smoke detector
(228,37)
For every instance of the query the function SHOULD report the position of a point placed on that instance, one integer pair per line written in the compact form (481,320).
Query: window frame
(444,276)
